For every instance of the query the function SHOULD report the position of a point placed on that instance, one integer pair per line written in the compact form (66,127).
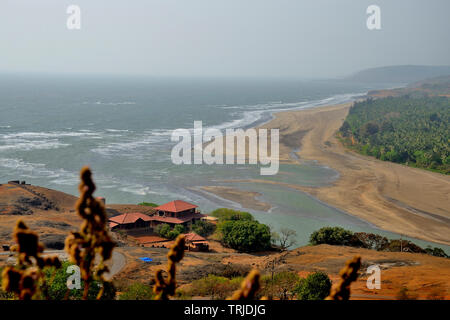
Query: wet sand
(393,197)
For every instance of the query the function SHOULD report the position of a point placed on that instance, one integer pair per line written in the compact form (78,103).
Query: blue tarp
(145,259)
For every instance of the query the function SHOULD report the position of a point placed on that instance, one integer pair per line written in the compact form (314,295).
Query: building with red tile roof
(172,213)
(130,221)
(176,212)
(194,242)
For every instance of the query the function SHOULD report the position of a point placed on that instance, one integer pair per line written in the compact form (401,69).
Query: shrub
(246,236)
(214,286)
(137,291)
(282,285)
(405,294)
(315,286)
(369,241)
(331,235)
(203,228)
(57,286)
(437,252)
(405,245)
(175,232)
(224,214)
(164,230)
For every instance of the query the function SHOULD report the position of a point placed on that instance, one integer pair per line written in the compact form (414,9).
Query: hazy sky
(299,38)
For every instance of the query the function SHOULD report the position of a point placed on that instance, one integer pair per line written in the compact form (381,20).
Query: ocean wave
(38,170)
(60,176)
(117,130)
(49,135)
(137,189)
(110,103)
(24,145)
(128,146)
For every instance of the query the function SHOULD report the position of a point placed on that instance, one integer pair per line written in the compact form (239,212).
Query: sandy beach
(393,197)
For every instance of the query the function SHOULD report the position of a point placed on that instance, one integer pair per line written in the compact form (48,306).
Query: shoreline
(383,194)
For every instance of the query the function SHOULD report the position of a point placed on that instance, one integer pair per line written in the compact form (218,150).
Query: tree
(345,129)
(331,235)
(203,228)
(246,236)
(316,286)
(369,129)
(176,231)
(370,241)
(409,129)
(287,238)
(224,214)
(163,230)
(437,252)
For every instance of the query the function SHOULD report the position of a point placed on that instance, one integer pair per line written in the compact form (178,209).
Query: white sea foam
(110,103)
(128,146)
(24,145)
(38,170)
(137,190)
(48,135)
(29,170)
(116,130)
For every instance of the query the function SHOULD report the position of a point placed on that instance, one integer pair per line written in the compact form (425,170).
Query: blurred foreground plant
(249,287)
(26,278)
(165,289)
(348,274)
(93,239)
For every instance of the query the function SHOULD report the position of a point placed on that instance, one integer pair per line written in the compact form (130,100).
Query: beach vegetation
(340,236)
(411,130)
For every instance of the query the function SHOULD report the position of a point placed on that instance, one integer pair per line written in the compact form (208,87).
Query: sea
(121,126)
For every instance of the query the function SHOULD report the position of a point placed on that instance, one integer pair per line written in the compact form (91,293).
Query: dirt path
(118,263)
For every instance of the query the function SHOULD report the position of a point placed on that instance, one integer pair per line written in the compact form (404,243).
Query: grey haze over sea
(51,126)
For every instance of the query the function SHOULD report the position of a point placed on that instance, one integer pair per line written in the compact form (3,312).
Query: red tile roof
(185,218)
(129,218)
(171,219)
(112,224)
(193,237)
(176,206)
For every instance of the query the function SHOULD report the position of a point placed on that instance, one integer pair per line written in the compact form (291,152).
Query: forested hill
(399,74)
(439,86)
(409,130)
